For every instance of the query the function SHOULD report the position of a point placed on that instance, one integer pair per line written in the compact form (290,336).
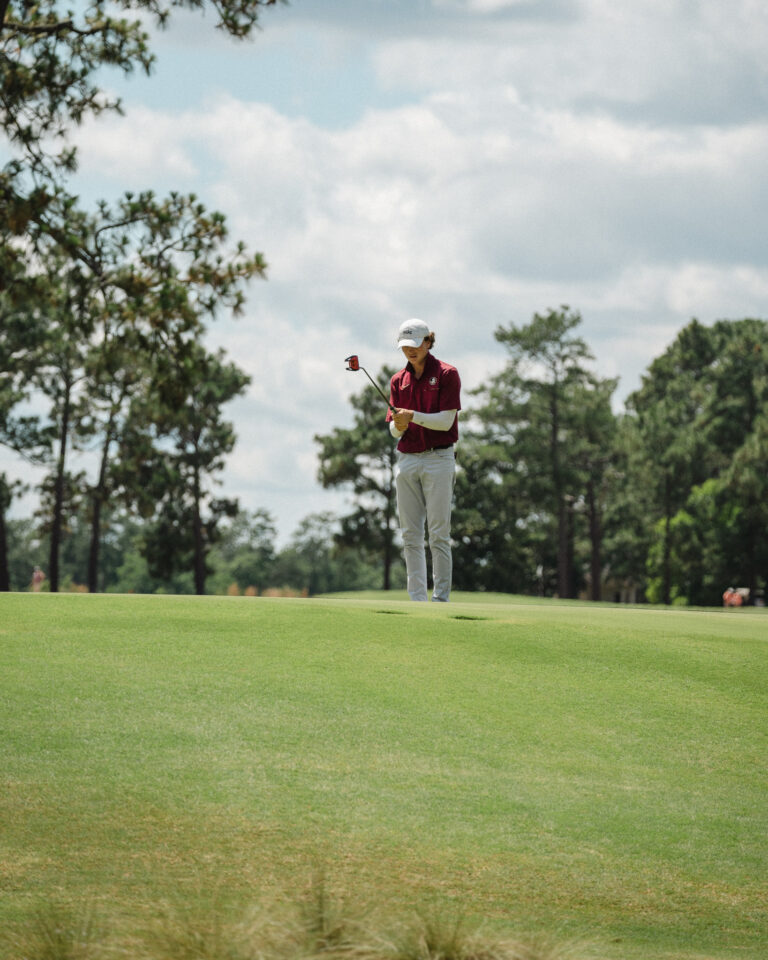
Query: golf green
(592,771)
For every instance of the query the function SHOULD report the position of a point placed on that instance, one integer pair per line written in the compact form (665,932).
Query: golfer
(426,398)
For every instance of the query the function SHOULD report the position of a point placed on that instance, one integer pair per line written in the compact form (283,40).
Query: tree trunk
(573,584)
(667,550)
(93,552)
(4,4)
(199,542)
(387,584)
(595,538)
(99,497)
(58,504)
(5,575)
(388,537)
(750,553)
(563,572)
(563,564)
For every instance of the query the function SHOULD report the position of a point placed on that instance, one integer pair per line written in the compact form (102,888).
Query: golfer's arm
(443,420)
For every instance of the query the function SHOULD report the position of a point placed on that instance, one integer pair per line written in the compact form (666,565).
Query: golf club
(353,365)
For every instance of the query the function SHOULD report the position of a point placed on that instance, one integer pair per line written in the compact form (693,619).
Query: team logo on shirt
(432,381)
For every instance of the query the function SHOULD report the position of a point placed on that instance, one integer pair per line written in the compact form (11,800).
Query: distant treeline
(102,312)
(556,495)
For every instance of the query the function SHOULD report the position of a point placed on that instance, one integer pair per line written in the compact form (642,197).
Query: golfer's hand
(402,418)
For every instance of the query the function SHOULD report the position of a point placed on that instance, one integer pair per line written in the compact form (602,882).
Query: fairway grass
(593,772)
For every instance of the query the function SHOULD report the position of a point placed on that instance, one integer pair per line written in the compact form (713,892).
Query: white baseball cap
(412,333)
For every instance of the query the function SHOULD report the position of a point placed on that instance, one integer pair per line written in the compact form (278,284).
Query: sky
(468,162)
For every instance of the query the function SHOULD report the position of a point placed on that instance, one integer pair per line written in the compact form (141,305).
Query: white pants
(424,484)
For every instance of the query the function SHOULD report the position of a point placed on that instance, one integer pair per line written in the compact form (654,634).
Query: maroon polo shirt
(438,388)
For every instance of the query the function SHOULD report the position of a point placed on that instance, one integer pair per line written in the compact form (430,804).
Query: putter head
(352,362)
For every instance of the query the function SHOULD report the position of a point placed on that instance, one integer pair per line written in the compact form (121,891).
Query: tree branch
(55,28)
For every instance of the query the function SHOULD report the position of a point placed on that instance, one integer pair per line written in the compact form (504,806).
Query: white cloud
(711,290)
(136,150)
(480,6)
(471,218)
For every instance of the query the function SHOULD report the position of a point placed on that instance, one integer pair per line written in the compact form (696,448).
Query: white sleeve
(394,431)
(435,421)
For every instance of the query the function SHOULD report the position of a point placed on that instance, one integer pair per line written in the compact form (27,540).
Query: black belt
(442,446)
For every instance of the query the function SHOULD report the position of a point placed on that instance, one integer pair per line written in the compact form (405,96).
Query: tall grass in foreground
(589,771)
(319,928)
